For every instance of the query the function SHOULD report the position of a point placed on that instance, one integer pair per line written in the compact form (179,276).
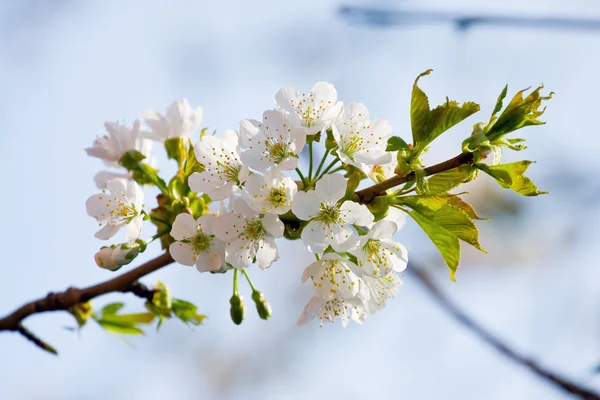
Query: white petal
(134,228)
(117,186)
(311,270)
(240,206)
(331,188)
(383,230)
(400,257)
(354,213)
(240,253)
(267,253)
(255,159)
(102,178)
(310,310)
(206,223)
(184,227)
(358,111)
(182,253)
(306,205)
(314,236)
(250,133)
(396,216)
(344,239)
(228,226)
(107,232)
(273,225)
(220,192)
(209,262)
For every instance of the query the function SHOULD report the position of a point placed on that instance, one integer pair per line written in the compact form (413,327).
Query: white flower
(122,206)
(377,254)
(381,290)
(101,178)
(247,236)
(333,277)
(329,221)
(119,140)
(361,140)
(179,122)
(328,310)
(271,142)
(270,193)
(314,112)
(381,172)
(115,256)
(196,244)
(223,168)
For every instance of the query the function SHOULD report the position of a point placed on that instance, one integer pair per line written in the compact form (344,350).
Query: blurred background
(66,66)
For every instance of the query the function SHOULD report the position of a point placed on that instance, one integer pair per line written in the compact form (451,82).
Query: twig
(455,312)
(72,296)
(367,195)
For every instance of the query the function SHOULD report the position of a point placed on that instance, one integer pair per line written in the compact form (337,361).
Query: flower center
(201,242)
(254,230)
(329,214)
(230,171)
(277,152)
(277,197)
(351,145)
(123,212)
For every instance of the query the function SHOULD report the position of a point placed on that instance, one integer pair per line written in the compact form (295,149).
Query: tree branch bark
(368,194)
(65,300)
(456,313)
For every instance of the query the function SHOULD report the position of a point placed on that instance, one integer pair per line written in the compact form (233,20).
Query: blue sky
(66,67)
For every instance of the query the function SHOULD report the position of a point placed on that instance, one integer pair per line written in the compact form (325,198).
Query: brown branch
(455,312)
(72,296)
(367,195)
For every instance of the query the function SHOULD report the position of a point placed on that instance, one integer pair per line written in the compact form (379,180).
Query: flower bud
(238,309)
(262,306)
(114,257)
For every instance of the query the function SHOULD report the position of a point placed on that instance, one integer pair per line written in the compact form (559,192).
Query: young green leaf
(428,124)
(511,176)
(117,327)
(446,242)
(520,112)
(187,312)
(112,308)
(444,181)
(396,143)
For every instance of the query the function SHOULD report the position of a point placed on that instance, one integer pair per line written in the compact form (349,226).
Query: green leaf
(430,202)
(175,148)
(519,113)
(465,207)
(396,143)
(131,159)
(446,242)
(123,328)
(112,308)
(498,106)
(448,180)
(511,176)
(187,312)
(419,111)
(449,212)
(353,182)
(129,319)
(428,124)
(191,164)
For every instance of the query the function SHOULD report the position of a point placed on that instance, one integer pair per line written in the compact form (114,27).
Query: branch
(455,312)
(72,296)
(367,195)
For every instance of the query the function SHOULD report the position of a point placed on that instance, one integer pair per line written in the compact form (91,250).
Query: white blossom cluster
(357,260)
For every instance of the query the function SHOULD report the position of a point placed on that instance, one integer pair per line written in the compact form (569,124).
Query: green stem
(235,281)
(159,234)
(249,281)
(322,162)
(329,167)
(310,162)
(156,180)
(304,181)
(341,168)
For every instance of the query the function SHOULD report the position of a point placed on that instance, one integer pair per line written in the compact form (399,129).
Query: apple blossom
(377,254)
(180,121)
(314,112)
(196,244)
(360,140)
(330,221)
(333,277)
(328,310)
(381,290)
(270,193)
(223,169)
(248,235)
(119,140)
(122,206)
(115,256)
(272,142)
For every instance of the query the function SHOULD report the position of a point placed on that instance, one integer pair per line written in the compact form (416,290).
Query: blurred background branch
(493,341)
